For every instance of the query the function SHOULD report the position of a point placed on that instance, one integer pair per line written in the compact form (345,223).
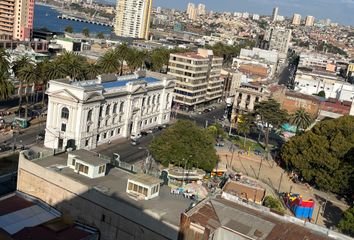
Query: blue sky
(341,11)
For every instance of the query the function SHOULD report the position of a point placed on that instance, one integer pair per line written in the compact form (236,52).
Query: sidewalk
(275,177)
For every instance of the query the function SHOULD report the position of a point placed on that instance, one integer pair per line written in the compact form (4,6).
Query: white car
(135,136)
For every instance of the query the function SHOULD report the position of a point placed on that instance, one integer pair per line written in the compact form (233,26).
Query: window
(121,107)
(158,99)
(63,127)
(104,135)
(101,169)
(86,142)
(148,101)
(150,120)
(89,115)
(155,119)
(101,109)
(130,186)
(85,169)
(103,218)
(143,103)
(118,131)
(65,113)
(120,118)
(112,133)
(115,108)
(106,122)
(145,122)
(73,162)
(107,109)
(88,128)
(153,100)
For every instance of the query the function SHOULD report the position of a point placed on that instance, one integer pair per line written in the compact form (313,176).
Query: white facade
(133,18)
(313,60)
(257,53)
(201,9)
(255,17)
(88,113)
(313,83)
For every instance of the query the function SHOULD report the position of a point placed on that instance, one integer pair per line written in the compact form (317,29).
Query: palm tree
(86,32)
(136,59)
(19,64)
(244,126)
(100,35)
(92,71)
(123,52)
(109,62)
(28,74)
(69,29)
(301,119)
(6,86)
(73,65)
(4,62)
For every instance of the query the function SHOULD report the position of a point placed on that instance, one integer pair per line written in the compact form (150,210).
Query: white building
(313,82)
(255,17)
(245,15)
(312,59)
(257,53)
(88,113)
(133,18)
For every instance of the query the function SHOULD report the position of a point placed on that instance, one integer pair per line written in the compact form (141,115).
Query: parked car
(135,136)
(134,142)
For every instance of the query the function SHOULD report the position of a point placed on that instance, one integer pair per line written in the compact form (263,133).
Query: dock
(71,18)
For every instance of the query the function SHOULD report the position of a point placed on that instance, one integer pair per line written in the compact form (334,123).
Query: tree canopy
(325,155)
(346,225)
(273,203)
(184,143)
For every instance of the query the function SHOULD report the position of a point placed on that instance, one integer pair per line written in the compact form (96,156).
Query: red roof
(13,204)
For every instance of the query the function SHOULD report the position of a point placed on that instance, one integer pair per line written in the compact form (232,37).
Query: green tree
(92,71)
(109,62)
(28,75)
(270,115)
(72,65)
(216,131)
(16,67)
(185,144)
(86,32)
(4,60)
(159,59)
(6,86)
(324,156)
(321,94)
(69,29)
(273,203)
(122,52)
(346,224)
(301,119)
(136,59)
(244,125)
(100,35)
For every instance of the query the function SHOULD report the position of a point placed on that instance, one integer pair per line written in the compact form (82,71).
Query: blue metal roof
(122,83)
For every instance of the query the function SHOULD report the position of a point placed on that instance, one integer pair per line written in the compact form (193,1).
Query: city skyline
(338,11)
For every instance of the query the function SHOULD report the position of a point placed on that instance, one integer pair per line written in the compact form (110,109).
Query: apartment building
(278,39)
(133,18)
(82,115)
(197,78)
(314,60)
(296,19)
(310,20)
(16,18)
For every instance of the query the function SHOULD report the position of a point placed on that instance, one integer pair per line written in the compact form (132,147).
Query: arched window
(143,103)
(153,100)
(167,97)
(65,113)
(115,108)
(107,109)
(148,101)
(89,115)
(121,107)
(158,99)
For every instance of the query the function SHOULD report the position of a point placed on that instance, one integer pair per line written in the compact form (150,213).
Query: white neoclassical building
(82,115)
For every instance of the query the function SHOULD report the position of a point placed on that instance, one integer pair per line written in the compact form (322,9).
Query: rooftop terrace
(165,207)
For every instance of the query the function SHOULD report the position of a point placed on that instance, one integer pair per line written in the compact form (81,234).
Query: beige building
(16,18)
(133,18)
(310,20)
(197,78)
(296,19)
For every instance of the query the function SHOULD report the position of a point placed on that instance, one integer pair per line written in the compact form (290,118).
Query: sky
(340,11)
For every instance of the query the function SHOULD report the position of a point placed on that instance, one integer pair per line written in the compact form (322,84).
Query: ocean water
(47,17)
